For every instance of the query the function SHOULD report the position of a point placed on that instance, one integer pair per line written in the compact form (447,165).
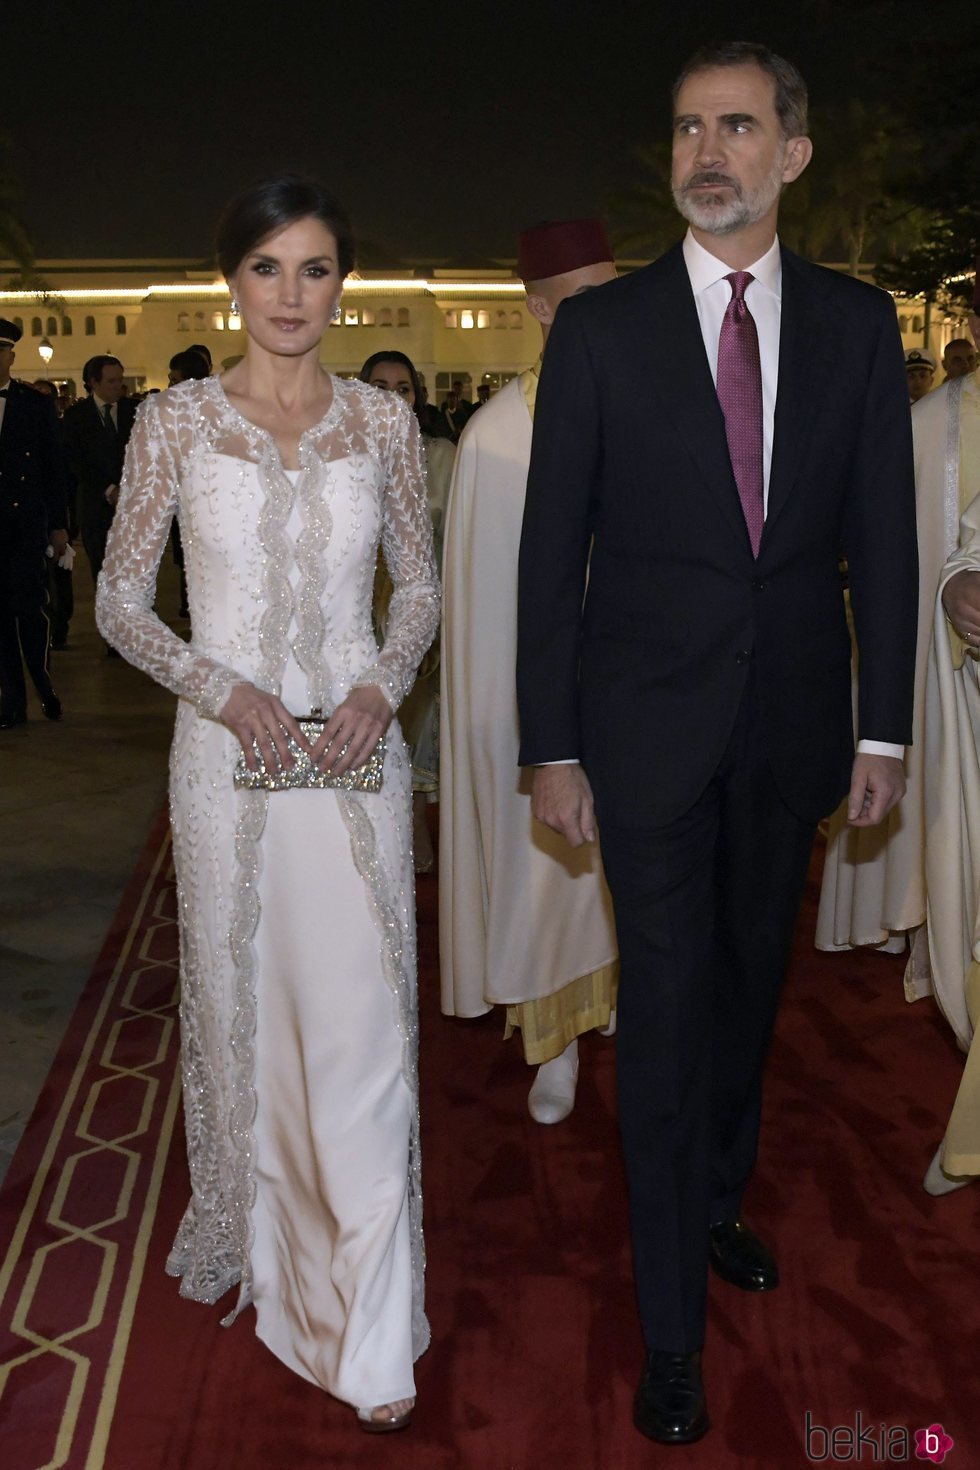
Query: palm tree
(850,204)
(15,242)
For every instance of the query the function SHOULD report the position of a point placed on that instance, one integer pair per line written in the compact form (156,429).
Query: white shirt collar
(100,403)
(706,269)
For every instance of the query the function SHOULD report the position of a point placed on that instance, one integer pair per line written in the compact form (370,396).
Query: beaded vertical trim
(954,395)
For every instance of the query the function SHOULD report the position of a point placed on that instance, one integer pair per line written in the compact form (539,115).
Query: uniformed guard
(33,515)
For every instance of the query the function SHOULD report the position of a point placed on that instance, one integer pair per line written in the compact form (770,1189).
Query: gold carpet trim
(550,1024)
(71,1234)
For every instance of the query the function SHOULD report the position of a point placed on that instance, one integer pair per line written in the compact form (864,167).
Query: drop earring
(335,317)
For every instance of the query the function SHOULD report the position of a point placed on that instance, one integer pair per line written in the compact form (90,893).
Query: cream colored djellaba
(952,761)
(298,968)
(874,887)
(521,913)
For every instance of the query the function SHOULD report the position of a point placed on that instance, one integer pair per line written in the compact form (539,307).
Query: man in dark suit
(96,432)
(33,515)
(702,689)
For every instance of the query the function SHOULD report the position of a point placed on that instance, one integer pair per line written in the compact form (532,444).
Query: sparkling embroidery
(187,430)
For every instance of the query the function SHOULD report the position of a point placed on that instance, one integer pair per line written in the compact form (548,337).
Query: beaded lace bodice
(366,449)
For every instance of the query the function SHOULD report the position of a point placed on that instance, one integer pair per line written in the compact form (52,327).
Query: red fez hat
(567,245)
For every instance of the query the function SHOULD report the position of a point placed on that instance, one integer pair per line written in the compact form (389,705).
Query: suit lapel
(683,381)
(808,328)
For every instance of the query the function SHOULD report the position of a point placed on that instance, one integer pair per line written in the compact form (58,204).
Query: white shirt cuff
(569,761)
(881,747)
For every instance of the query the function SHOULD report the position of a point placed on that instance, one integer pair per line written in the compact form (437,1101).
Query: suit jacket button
(743,656)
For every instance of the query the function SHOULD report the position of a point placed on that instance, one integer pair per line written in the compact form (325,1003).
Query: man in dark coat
(683,655)
(96,432)
(33,516)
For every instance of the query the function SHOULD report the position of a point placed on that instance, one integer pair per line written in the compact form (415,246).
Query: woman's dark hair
(403,361)
(265,208)
(190,364)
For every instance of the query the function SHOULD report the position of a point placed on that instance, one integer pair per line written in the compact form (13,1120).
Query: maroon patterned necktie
(740,396)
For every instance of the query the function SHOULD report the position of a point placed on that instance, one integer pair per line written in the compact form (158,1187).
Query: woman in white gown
(298,1012)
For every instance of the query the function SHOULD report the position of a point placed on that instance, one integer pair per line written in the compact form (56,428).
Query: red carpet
(536,1347)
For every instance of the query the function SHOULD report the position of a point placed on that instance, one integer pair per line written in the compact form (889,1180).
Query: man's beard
(718,215)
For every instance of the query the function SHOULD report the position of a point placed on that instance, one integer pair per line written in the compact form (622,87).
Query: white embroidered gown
(298,1012)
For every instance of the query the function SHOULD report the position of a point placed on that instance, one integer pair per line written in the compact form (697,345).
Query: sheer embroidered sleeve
(406,541)
(124,597)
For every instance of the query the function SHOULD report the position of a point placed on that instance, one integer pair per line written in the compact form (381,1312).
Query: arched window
(52,328)
(200,325)
(917,324)
(384,317)
(66,326)
(367,316)
(404,317)
(90,326)
(482,320)
(450,319)
(351,316)
(217,321)
(19,322)
(903,324)
(36,327)
(500,320)
(516,321)
(183,321)
(120,326)
(466,320)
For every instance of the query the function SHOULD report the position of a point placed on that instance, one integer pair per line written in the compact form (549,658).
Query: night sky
(445,129)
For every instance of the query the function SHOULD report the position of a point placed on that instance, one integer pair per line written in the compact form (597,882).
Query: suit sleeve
(557,531)
(881,549)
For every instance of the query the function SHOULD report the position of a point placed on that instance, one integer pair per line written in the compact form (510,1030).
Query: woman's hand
(252,714)
(357,724)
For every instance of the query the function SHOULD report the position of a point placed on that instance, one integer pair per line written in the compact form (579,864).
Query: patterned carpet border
(80,1197)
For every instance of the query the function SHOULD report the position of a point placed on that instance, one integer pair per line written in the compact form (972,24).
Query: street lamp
(45,351)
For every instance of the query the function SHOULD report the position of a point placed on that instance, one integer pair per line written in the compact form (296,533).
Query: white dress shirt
(3,401)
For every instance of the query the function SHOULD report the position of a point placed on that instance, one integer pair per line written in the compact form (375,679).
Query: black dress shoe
(11,717)
(51,705)
(738,1256)
(669,1405)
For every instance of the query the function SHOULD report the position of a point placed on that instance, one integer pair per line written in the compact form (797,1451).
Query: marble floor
(77,798)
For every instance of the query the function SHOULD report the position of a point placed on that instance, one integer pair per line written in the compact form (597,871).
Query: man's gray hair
(791,95)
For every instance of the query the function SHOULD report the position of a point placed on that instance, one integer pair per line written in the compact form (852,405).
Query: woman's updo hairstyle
(265,208)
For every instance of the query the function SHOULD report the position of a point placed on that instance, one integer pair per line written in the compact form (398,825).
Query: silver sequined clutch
(303,774)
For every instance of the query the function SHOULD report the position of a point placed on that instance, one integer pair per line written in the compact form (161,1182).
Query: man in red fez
(524,922)
(684,672)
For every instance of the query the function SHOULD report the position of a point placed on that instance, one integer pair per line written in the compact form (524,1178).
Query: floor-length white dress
(298,1006)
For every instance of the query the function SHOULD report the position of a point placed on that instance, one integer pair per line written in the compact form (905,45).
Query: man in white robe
(525,921)
(874,886)
(952,779)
